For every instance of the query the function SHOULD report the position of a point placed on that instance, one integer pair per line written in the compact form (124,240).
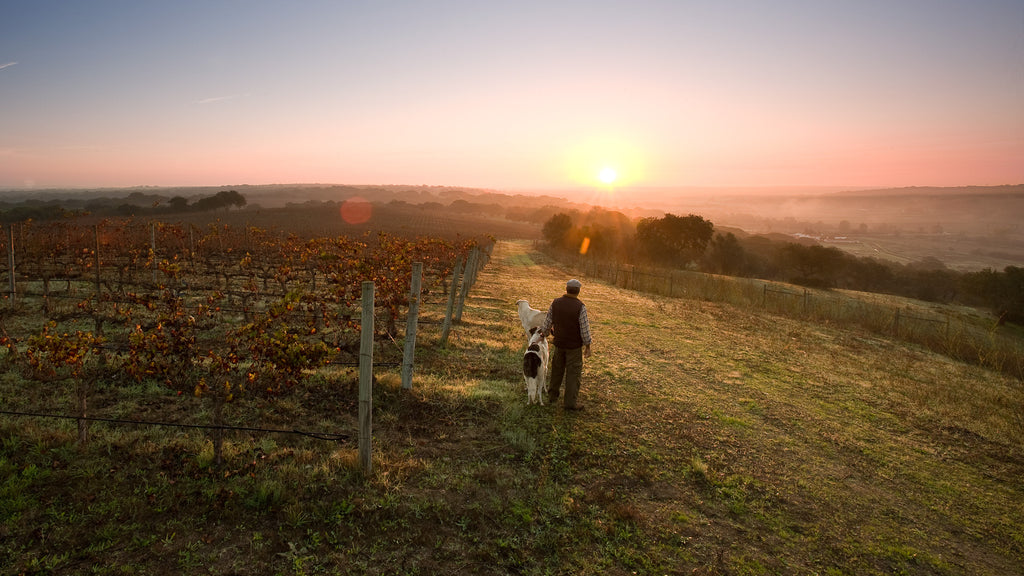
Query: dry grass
(961,332)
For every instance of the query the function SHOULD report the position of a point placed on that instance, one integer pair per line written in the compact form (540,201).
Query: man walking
(567,320)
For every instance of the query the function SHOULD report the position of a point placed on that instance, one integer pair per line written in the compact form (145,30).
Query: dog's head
(535,336)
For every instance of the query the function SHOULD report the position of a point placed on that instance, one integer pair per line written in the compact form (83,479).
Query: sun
(607,163)
(607,175)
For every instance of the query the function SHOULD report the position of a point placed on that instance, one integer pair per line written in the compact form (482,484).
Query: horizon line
(477,187)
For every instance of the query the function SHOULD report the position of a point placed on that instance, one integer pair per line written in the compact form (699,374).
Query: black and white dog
(535,367)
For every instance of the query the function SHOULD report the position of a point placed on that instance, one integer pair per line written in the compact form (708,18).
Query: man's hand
(586,351)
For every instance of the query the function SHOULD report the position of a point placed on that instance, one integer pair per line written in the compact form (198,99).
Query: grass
(960,332)
(715,441)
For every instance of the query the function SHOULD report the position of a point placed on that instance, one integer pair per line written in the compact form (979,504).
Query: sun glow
(606,162)
(608,175)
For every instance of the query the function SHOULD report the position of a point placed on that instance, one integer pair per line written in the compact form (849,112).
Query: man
(567,320)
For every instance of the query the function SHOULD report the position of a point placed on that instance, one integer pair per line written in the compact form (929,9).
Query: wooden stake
(366,381)
(411,324)
(10,265)
(446,328)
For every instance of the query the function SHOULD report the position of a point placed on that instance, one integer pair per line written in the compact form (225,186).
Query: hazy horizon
(520,96)
(530,191)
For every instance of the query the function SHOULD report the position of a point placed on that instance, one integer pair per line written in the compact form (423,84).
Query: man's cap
(573,284)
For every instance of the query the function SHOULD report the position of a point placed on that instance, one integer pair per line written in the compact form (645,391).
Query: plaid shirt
(584,326)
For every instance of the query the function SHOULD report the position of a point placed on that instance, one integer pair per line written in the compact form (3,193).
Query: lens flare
(356,210)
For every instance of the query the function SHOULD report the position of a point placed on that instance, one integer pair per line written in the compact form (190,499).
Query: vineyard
(219,313)
(715,440)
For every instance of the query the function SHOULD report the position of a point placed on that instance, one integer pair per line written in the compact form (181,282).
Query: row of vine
(220,313)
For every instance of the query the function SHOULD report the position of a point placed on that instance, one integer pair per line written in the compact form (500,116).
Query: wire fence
(965,336)
(222,427)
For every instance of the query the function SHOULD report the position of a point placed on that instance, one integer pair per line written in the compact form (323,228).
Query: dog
(530,317)
(535,367)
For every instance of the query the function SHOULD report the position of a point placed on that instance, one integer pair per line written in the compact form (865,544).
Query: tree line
(692,242)
(135,204)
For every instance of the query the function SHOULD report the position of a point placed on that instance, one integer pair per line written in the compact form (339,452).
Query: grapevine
(218,312)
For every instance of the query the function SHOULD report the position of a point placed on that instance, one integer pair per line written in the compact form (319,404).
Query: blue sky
(512,95)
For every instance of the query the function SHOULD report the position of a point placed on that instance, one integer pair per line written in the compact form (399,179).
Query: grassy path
(755,444)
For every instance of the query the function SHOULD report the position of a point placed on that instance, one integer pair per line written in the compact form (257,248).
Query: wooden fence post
(467,280)
(411,324)
(152,248)
(447,326)
(10,264)
(99,282)
(475,258)
(366,380)
(96,261)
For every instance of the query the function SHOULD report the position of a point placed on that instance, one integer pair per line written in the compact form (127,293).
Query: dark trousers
(567,366)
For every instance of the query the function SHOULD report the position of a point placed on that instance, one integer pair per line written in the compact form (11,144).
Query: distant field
(958,252)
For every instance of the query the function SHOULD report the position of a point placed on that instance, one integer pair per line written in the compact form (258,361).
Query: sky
(516,95)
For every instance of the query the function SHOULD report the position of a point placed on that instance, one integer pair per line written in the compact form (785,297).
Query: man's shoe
(576,408)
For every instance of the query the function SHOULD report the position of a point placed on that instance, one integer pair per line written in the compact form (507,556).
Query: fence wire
(316,435)
(959,338)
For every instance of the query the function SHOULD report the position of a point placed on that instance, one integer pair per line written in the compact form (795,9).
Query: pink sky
(517,95)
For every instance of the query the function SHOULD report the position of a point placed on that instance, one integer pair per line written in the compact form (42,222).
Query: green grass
(960,332)
(715,441)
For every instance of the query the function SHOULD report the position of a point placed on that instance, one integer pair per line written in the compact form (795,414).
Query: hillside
(713,442)
(751,443)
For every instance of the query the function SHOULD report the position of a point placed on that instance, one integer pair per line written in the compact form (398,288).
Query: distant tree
(177,204)
(231,198)
(463,206)
(1012,301)
(138,198)
(45,212)
(225,200)
(466,207)
(725,255)
(811,265)
(932,285)
(674,240)
(870,275)
(1001,292)
(557,230)
(611,233)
